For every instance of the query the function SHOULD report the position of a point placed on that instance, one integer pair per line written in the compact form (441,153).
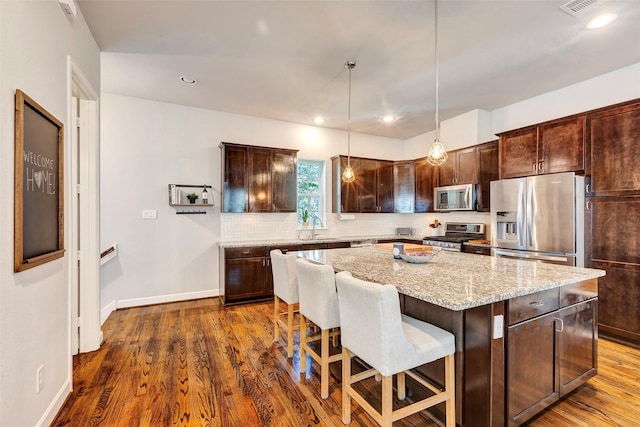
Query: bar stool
(285,288)
(318,304)
(374,330)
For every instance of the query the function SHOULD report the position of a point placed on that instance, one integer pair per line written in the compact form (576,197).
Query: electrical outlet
(149,214)
(39,378)
(498,326)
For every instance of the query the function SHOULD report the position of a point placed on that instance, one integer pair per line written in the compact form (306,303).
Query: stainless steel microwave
(455,198)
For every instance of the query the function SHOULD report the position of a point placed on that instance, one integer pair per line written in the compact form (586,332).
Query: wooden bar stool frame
(318,299)
(374,329)
(292,308)
(387,416)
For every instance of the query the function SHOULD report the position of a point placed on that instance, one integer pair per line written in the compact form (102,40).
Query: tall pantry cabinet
(612,217)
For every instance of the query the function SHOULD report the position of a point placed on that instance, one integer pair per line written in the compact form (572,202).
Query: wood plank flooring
(197,363)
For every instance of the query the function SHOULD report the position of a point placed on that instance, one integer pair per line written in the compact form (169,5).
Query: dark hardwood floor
(197,363)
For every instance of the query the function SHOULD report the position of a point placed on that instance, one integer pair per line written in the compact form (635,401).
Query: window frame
(321,194)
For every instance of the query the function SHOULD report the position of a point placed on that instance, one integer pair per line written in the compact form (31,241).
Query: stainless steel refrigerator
(539,218)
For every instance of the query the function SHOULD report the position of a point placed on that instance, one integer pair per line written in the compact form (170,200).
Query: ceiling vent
(579,8)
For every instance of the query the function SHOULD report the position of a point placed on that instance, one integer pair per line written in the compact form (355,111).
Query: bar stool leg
(324,365)
(303,343)
(346,385)
(276,313)
(402,391)
(449,381)
(387,400)
(290,316)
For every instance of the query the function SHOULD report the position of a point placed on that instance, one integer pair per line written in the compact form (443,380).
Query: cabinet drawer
(284,248)
(533,305)
(578,292)
(245,252)
(472,249)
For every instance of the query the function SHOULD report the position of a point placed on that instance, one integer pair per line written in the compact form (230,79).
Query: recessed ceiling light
(318,120)
(188,80)
(601,21)
(389,119)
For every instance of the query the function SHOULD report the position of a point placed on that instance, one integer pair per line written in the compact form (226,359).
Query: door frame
(90,334)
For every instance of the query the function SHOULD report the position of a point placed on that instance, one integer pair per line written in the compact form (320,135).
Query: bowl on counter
(417,257)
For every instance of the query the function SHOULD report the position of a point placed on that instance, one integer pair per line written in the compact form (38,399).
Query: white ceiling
(284,60)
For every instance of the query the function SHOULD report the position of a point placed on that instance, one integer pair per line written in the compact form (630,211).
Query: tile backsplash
(254,226)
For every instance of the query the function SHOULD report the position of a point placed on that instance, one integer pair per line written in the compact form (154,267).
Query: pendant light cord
(437,79)
(349,65)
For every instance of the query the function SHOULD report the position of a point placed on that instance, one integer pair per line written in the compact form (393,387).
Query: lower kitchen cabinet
(549,355)
(246,274)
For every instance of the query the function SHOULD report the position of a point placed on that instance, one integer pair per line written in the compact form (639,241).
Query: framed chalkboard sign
(39,185)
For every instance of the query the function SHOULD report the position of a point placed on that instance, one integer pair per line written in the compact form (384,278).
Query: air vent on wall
(579,8)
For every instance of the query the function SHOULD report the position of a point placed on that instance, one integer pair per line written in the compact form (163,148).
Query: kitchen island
(526,332)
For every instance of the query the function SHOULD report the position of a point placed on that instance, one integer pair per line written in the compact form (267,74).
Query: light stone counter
(319,239)
(453,280)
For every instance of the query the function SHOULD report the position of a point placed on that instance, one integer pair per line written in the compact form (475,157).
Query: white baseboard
(136,302)
(55,405)
(106,311)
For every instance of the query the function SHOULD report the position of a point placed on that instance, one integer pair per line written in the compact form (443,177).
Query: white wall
(35,39)
(150,144)
(608,89)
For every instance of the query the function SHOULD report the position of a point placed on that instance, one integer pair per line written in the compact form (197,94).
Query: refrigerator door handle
(531,229)
(520,224)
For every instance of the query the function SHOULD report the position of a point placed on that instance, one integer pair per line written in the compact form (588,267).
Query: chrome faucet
(313,225)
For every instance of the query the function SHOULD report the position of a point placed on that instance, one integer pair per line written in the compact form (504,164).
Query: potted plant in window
(305,218)
(192,197)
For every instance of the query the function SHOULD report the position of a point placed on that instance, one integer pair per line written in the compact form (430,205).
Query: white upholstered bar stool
(318,304)
(285,288)
(374,330)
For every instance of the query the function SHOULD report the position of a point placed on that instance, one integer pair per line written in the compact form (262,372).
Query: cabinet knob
(536,304)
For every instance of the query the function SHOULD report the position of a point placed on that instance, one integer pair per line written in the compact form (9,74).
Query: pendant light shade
(347,174)
(437,154)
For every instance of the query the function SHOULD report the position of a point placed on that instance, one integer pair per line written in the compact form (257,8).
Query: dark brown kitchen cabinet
(372,190)
(615,247)
(487,171)
(234,178)
(245,274)
(258,179)
(384,187)
(550,147)
(404,187)
(615,152)
(345,194)
(460,168)
(550,352)
(426,180)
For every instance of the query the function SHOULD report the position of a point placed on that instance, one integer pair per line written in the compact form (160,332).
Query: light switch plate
(498,326)
(149,214)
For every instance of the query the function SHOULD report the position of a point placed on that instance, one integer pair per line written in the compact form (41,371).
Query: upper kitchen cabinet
(404,187)
(545,148)
(371,192)
(426,180)
(487,171)
(460,168)
(615,151)
(258,179)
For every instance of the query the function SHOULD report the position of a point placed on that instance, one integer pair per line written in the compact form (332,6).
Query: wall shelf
(178,196)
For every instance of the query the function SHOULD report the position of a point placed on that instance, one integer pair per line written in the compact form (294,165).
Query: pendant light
(437,154)
(348,175)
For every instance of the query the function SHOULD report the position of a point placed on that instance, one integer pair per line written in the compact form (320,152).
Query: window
(311,189)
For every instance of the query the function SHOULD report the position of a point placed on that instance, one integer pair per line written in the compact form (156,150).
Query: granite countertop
(453,280)
(319,239)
